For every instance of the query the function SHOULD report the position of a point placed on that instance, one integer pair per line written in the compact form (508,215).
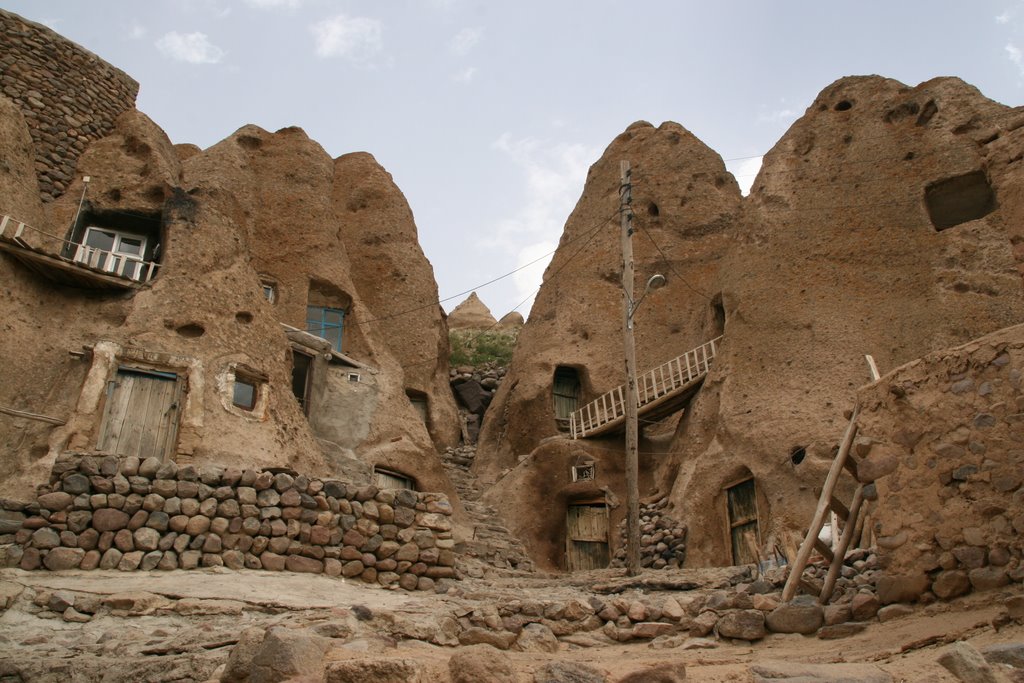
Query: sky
(488,114)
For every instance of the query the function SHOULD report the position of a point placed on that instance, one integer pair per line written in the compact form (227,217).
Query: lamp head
(656,281)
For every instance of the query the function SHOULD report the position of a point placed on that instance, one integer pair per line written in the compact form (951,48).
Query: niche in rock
(960,199)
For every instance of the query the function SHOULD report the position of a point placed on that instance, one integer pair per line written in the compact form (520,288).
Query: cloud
(357,39)
(273,4)
(465,40)
(194,48)
(137,31)
(745,171)
(1013,53)
(466,75)
(1003,18)
(777,115)
(553,175)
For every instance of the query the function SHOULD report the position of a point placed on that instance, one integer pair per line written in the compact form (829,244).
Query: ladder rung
(825,551)
(850,465)
(839,508)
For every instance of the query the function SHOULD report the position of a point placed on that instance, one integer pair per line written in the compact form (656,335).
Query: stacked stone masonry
(68,96)
(662,539)
(127,514)
(943,440)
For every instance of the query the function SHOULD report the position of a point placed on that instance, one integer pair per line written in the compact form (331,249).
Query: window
(269,290)
(584,472)
(354,377)
(389,479)
(327,323)
(114,252)
(244,394)
(419,402)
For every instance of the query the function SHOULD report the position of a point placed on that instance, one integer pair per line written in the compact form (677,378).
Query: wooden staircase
(661,391)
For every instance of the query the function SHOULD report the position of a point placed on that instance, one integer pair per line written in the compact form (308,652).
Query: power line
(590,235)
(592,231)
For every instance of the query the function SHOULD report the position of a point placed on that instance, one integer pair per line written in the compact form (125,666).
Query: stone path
(492,542)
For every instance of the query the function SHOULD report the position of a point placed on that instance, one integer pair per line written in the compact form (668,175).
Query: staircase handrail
(651,385)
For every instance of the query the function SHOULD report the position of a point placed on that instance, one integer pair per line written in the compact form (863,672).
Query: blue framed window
(327,323)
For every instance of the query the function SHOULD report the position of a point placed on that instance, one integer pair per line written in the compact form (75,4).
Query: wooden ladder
(855,517)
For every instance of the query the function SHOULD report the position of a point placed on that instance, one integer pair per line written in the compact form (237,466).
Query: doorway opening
(743,526)
(586,536)
(140,417)
(565,393)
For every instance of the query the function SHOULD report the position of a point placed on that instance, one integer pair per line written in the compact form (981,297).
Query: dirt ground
(187,627)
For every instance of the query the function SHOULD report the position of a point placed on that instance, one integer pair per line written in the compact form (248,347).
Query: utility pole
(632,464)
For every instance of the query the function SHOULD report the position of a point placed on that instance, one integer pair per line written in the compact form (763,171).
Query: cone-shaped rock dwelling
(256,304)
(884,222)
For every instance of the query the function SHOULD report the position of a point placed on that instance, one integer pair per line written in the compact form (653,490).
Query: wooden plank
(797,568)
(851,467)
(118,391)
(31,416)
(839,508)
(586,537)
(825,550)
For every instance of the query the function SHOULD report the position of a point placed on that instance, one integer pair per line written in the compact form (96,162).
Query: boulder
(536,638)
(965,662)
(568,672)
(742,624)
(478,663)
(801,615)
(288,653)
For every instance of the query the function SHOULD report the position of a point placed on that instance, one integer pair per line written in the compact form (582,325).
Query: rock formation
(885,221)
(687,207)
(471,314)
(248,240)
(511,321)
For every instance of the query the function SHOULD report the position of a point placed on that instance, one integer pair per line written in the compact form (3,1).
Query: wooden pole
(841,547)
(630,400)
(797,568)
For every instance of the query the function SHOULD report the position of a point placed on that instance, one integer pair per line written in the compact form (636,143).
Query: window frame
(254,387)
(320,326)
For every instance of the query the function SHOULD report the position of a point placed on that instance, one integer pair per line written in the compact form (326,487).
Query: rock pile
(474,387)
(127,514)
(68,95)
(662,539)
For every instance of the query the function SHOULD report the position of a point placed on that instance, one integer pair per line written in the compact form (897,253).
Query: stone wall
(944,443)
(127,514)
(68,96)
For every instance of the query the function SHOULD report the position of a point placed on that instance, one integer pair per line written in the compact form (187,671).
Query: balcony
(104,260)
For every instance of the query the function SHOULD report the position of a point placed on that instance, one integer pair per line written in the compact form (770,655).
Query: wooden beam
(825,551)
(31,416)
(817,521)
(839,508)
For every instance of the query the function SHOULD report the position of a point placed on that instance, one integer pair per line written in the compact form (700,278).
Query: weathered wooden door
(141,414)
(743,522)
(586,537)
(565,392)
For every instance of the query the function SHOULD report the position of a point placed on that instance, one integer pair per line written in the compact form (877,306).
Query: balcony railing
(39,249)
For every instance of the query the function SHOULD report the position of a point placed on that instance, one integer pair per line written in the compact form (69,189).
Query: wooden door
(742,501)
(141,414)
(565,392)
(586,537)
